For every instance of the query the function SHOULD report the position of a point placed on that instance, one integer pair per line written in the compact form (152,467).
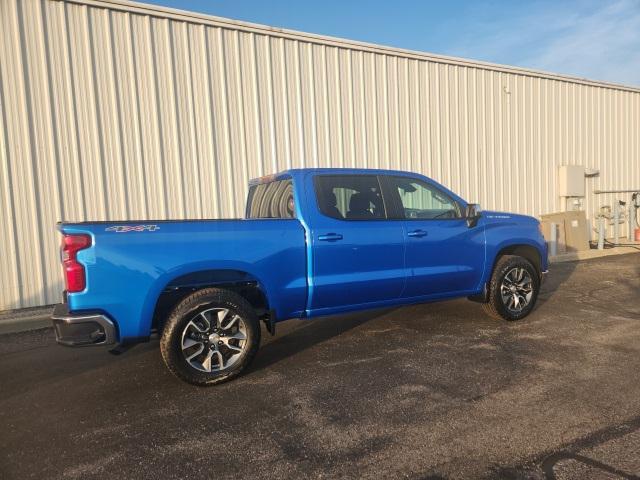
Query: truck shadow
(307,334)
(295,336)
(559,273)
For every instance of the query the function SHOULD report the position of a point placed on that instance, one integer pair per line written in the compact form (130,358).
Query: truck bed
(130,263)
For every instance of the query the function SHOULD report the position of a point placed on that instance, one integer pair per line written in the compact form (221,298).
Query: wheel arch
(494,302)
(242,282)
(523,250)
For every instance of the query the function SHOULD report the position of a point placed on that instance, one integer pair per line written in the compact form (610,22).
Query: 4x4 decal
(132,228)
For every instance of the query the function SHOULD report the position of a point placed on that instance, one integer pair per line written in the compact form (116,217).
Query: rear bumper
(80,330)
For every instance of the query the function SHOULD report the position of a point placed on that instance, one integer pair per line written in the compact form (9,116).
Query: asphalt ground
(427,391)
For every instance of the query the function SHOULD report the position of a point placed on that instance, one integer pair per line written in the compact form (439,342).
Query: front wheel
(211,336)
(513,289)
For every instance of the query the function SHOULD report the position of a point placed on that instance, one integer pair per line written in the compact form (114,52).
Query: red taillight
(73,271)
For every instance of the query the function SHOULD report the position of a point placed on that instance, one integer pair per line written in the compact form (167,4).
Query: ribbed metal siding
(112,110)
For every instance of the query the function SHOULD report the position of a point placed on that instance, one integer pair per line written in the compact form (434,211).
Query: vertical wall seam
(256,99)
(36,212)
(52,109)
(74,105)
(195,145)
(13,212)
(97,112)
(177,117)
(140,140)
(117,96)
(158,112)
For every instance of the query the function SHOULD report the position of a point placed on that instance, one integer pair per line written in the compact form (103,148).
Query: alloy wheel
(214,340)
(516,289)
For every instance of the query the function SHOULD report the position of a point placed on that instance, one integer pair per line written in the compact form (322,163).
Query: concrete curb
(594,253)
(25,319)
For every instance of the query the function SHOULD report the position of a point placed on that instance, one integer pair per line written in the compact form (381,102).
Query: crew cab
(314,242)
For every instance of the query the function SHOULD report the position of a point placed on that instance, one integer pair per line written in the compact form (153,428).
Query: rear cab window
(350,197)
(271,200)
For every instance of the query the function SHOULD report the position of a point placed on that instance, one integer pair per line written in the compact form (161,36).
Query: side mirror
(472,214)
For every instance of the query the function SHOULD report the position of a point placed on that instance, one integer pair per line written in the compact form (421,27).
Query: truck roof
(326,171)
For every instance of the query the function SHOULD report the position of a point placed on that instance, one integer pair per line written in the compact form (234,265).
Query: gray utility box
(571,181)
(572,234)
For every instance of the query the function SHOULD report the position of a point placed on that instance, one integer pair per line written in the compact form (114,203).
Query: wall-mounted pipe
(553,241)
(598,192)
(616,222)
(601,235)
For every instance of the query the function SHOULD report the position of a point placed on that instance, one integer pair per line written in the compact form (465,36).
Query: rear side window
(271,200)
(350,197)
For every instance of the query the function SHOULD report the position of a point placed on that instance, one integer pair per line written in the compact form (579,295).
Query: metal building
(119,110)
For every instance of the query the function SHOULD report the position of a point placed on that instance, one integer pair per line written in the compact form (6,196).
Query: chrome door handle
(330,237)
(417,233)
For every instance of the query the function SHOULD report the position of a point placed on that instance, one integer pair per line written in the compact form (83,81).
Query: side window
(350,197)
(271,200)
(421,200)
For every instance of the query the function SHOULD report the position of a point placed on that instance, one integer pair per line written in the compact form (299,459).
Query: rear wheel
(513,289)
(211,336)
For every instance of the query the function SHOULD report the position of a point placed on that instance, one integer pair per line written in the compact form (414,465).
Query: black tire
(191,308)
(496,306)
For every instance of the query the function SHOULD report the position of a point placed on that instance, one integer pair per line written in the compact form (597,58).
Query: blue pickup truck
(313,242)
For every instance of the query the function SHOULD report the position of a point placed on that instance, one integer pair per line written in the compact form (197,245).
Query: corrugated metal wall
(113,110)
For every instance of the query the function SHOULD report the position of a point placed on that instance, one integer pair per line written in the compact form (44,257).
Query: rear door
(357,253)
(443,255)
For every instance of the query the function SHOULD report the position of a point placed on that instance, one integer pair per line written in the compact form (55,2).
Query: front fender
(506,235)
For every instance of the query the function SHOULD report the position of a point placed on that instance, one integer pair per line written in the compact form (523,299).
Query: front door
(443,255)
(357,254)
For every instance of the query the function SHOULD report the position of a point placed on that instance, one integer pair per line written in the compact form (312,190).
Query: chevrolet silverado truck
(314,242)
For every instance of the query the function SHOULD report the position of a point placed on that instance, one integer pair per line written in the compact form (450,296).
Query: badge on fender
(132,228)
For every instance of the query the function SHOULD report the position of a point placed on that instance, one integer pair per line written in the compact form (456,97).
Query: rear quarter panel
(127,271)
